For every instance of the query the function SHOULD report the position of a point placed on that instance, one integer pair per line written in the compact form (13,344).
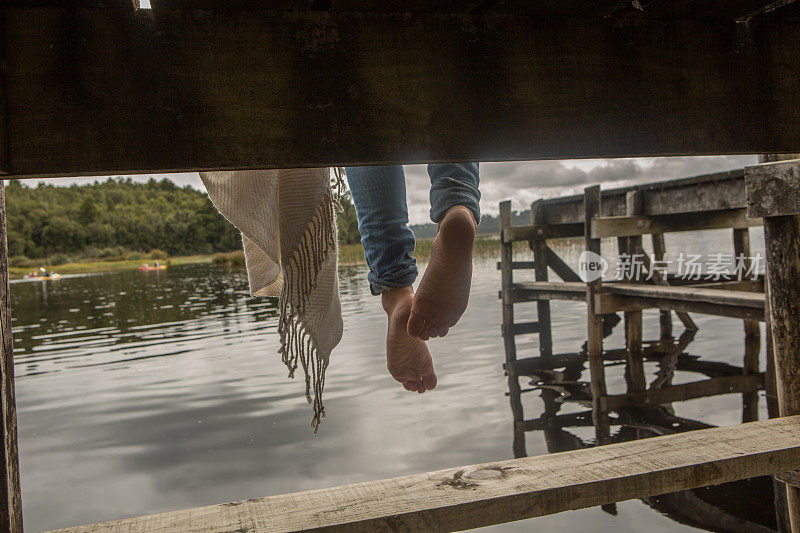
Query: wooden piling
(594,344)
(539,248)
(772,193)
(752,330)
(633,319)
(507,275)
(10,494)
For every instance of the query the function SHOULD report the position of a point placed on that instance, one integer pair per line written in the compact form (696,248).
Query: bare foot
(407,357)
(443,293)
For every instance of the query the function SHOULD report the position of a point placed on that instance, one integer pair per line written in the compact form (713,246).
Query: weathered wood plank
(642,225)
(528,291)
(98,91)
(688,391)
(550,231)
(594,323)
(481,495)
(773,188)
(509,343)
(10,494)
(781,236)
(708,192)
(539,248)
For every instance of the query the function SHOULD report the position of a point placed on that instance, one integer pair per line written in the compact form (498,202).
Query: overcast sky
(524,182)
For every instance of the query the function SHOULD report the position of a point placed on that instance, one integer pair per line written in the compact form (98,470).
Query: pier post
(539,248)
(633,319)
(10,494)
(594,344)
(507,275)
(664,316)
(773,192)
(752,330)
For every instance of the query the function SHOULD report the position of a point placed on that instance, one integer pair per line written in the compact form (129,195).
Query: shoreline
(349,255)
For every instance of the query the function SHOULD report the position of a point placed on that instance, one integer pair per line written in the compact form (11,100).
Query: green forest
(119,218)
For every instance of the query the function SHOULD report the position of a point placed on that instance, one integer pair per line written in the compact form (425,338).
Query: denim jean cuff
(379,286)
(449,192)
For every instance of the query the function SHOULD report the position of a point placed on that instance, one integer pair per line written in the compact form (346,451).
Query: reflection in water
(746,505)
(144,392)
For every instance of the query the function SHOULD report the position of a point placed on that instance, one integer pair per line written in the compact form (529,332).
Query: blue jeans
(379,196)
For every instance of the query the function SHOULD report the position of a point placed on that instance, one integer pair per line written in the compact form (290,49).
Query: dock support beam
(507,273)
(10,494)
(594,345)
(772,191)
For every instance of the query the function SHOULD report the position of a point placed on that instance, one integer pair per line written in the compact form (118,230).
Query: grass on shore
(353,254)
(349,254)
(89,267)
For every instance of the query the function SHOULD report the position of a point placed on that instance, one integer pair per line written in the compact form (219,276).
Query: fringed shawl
(289,233)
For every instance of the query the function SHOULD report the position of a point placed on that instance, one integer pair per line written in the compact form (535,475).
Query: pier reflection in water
(566,422)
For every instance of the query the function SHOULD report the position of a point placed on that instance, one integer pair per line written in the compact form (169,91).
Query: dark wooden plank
(10,494)
(480,495)
(97,91)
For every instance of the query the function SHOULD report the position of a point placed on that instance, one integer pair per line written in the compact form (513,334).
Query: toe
(429,381)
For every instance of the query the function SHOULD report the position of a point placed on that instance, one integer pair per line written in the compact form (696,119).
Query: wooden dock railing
(493,493)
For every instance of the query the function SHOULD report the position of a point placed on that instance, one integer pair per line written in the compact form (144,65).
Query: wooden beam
(773,189)
(622,226)
(529,291)
(709,192)
(481,495)
(611,303)
(100,90)
(594,323)
(10,494)
(509,343)
(687,391)
(534,232)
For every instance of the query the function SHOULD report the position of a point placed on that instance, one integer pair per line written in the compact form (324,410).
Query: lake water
(144,392)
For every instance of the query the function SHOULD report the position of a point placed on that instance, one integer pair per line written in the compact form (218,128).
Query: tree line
(117,216)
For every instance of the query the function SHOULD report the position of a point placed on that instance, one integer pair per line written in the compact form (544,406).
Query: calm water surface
(147,392)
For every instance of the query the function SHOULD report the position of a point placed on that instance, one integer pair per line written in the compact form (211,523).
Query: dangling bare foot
(443,293)
(407,357)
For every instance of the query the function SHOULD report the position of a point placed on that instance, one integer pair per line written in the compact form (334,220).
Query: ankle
(461,214)
(393,297)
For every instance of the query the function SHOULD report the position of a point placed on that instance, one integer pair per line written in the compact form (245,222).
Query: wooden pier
(94,87)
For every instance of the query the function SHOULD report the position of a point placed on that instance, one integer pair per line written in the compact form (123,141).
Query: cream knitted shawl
(289,234)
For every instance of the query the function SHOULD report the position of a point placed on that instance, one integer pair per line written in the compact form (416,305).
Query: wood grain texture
(781,237)
(509,342)
(696,221)
(594,322)
(708,192)
(773,188)
(10,493)
(480,495)
(105,90)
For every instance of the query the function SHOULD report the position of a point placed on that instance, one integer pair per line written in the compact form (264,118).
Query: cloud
(524,182)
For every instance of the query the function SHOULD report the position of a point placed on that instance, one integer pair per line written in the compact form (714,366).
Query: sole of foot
(443,293)
(407,358)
